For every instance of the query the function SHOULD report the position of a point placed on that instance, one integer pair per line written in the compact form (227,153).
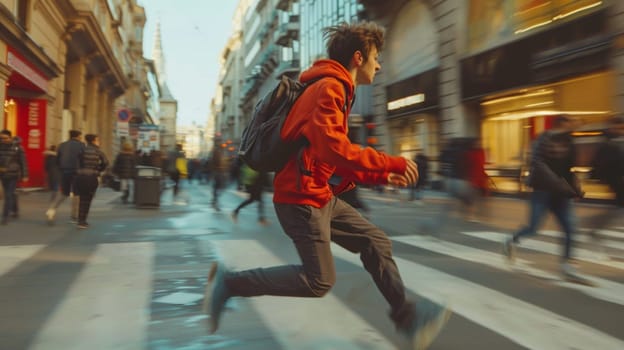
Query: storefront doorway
(512,121)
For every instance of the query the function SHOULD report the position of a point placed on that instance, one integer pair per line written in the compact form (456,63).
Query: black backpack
(261,147)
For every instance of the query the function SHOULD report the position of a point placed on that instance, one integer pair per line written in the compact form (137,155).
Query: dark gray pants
(312,230)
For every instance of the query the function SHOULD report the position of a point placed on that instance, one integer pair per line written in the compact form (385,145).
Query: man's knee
(320,286)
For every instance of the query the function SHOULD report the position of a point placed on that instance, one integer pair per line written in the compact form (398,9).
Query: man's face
(4,138)
(367,70)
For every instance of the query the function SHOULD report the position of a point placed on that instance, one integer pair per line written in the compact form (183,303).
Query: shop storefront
(412,112)
(25,110)
(520,86)
(411,82)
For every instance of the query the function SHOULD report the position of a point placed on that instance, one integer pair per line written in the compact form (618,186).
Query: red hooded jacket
(318,116)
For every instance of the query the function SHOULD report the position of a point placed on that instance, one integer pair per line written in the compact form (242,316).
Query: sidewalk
(33,205)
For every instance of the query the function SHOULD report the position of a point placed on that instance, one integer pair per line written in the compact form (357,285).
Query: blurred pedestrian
(13,167)
(236,172)
(454,168)
(67,158)
(177,167)
(219,168)
(254,181)
(554,186)
(423,171)
(473,163)
(92,162)
(608,167)
(307,209)
(53,174)
(124,167)
(14,212)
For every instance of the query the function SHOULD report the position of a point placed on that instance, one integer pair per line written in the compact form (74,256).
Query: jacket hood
(328,68)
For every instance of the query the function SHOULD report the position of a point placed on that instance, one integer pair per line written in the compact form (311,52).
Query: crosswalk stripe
(608,233)
(549,248)
(604,289)
(286,316)
(105,306)
(607,243)
(519,321)
(11,256)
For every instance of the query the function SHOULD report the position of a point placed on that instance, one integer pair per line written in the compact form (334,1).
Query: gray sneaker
(570,274)
(428,321)
(509,249)
(50,213)
(216,294)
(568,270)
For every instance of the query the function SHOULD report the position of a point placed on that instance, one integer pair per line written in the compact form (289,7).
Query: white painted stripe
(106,305)
(583,238)
(607,233)
(13,255)
(604,289)
(289,318)
(549,248)
(521,322)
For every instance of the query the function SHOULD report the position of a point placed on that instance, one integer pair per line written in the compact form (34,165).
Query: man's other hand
(397,180)
(411,171)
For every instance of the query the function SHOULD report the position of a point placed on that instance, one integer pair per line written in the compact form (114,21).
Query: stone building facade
(67,64)
(497,71)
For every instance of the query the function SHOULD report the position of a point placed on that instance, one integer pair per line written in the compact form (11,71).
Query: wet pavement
(135,279)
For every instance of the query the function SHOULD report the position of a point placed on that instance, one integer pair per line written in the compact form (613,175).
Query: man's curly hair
(346,38)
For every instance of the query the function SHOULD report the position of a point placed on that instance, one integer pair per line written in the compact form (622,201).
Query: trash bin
(147,187)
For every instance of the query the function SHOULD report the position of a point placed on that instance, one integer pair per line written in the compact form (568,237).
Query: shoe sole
(427,335)
(574,278)
(212,273)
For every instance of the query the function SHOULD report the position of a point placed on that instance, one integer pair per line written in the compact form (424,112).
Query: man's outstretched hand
(408,178)
(411,171)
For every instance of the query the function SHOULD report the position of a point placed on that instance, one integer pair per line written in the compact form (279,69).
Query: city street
(135,279)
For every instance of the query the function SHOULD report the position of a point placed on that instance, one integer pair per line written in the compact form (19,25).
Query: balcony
(286,33)
(283,5)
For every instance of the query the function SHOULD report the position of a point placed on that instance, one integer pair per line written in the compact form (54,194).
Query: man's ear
(358,58)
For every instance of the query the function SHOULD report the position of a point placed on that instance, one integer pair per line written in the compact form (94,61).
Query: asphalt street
(135,278)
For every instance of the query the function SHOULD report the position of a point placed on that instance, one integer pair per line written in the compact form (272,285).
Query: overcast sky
(194,33)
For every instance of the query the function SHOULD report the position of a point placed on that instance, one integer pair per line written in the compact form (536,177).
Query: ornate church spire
(159,62)
(159,57)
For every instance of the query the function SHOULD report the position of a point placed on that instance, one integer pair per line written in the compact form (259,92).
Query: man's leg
(261,216)
(8,186)
(538,206)
(356,234)
(420,322)
(88,186)
(309,229)
(537,212)
(124,187)
(562,209)
(245,203)
(66,185)
(15,207)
